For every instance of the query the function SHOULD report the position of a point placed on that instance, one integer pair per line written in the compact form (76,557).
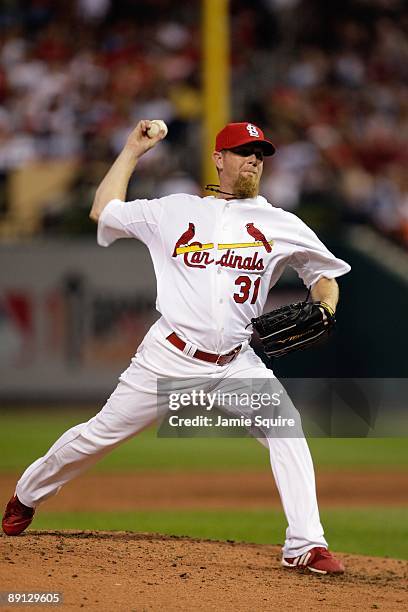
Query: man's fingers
(140,140)
(144,126)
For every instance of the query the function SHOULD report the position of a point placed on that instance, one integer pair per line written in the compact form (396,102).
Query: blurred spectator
(327,81)
(93,11)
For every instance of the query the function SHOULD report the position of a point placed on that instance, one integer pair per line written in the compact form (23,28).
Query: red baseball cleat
(17,517)
(317,559)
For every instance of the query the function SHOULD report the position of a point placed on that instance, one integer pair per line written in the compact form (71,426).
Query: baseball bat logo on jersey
(197,254)
(182,245)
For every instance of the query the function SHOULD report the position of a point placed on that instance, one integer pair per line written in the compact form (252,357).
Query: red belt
(220,360)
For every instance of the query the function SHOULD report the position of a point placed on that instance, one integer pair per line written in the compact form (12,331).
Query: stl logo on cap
(252,130)
(236,134)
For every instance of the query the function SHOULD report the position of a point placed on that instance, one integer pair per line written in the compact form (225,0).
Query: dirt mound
(130,571)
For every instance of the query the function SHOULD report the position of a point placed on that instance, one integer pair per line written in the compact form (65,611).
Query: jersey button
(221,301)
(219,271)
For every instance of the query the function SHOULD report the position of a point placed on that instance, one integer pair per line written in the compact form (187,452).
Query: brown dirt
(136,572)
(169,490)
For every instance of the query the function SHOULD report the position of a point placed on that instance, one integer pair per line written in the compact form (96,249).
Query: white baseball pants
(133,407)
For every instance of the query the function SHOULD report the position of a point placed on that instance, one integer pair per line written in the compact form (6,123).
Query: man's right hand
(115,183)
(139,142)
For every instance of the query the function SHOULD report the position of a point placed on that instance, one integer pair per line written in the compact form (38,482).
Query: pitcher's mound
(132,571)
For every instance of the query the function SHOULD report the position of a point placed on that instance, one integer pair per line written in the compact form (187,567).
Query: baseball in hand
(156,126)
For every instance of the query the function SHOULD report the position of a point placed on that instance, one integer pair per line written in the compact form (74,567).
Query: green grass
(27,434)
(378,532)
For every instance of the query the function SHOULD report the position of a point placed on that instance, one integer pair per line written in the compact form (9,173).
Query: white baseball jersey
(215,260)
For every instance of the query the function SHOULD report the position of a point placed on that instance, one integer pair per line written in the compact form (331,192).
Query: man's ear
(218,160)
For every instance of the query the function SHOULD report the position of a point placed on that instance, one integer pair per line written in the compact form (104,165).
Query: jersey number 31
(245,285)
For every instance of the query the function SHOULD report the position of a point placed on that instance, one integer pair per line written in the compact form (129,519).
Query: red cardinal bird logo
(258,235)
(184,238)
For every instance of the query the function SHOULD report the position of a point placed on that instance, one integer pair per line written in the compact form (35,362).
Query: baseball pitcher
(215,260)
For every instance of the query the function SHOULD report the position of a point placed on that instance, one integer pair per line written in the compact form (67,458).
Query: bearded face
(240,170)
(246,185)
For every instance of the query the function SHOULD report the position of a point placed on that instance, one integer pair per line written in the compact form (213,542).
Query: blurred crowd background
(327,81)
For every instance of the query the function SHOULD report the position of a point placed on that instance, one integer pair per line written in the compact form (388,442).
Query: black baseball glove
(294,327)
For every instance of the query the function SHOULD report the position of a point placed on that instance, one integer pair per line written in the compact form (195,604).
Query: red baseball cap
(237,134)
